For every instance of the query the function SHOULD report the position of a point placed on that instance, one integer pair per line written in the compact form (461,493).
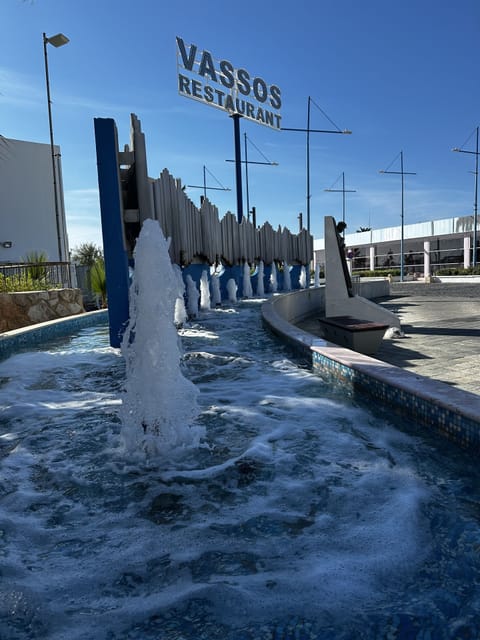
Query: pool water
(301,515)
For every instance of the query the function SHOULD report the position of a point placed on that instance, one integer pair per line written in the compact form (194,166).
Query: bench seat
(359,335)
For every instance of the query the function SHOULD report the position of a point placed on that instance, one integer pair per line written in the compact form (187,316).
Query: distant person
(388,262)
(340,228)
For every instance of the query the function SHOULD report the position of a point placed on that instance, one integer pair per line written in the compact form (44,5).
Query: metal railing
(35,276)
(414,262)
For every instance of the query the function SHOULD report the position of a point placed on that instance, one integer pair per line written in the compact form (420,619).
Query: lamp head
(57,40)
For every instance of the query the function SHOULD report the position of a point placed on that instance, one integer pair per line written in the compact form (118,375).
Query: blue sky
(400,75)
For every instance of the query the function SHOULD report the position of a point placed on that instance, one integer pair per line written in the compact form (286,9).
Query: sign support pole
(238,165)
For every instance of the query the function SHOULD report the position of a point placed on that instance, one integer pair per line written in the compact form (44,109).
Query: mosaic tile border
(450,422)
(27,337)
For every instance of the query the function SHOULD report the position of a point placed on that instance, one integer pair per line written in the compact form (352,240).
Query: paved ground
(441,323)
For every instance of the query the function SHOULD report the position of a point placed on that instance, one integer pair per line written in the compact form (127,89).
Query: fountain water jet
(159,404)
(273,279)
(287,281)
(192,297)
(215,285)
(204,292)
(180,310)
(303,278)
(260,285)
(232,290)
(247,284)
(317,275)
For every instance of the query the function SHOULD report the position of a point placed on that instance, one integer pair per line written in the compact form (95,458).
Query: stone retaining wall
(25,308)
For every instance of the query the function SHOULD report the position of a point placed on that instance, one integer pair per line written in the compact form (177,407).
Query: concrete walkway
(441,323)
(441,326)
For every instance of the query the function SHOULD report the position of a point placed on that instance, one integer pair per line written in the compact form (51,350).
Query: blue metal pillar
(116,259)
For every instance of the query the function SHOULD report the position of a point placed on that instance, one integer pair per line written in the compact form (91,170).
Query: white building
(427,246)
(28,220)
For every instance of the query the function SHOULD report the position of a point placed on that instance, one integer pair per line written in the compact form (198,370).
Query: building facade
(427,247)
(29,220)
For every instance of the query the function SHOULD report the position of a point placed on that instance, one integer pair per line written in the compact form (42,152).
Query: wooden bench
(363,336)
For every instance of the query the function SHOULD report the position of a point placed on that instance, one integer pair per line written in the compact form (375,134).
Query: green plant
(86,254)
(378,273)
(458,271)
(24,282)
(36,268)
(99,280)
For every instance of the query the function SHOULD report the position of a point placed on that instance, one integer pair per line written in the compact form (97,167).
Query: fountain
(287,282)
(303,278)
(260,275)
(317,275)
(247,284)
(232,290)
(303,515)
(204,292)
(180,315)
(192,297)
(159,405)
(273,279)
(215,286)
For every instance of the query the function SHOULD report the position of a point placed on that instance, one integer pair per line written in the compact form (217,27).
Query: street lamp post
(343,191)
(246,162)
(475,215)
(56,41)
(204,186)
(308,131)
(402,173)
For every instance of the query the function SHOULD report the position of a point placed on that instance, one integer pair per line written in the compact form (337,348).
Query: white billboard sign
(219,84)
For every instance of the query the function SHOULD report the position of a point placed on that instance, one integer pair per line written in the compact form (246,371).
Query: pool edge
(454,413)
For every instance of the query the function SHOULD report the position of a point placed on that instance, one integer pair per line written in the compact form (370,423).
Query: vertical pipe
(426,260)
(238,165)
(475,202)
(308,164)
(372,258)
(246,178)
(52,151)
(466,252)
(402,234)
(204,182)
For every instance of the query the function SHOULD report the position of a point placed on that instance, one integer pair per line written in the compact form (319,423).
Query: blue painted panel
(295,276)
(116,260)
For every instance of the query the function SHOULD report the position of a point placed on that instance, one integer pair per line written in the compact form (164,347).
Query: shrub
(378,273)
(99,280)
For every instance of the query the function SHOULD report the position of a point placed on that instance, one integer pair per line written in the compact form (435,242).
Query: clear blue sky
(400,75)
